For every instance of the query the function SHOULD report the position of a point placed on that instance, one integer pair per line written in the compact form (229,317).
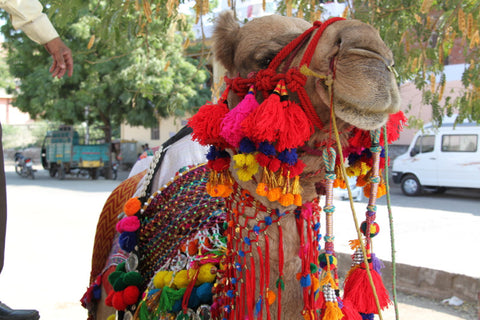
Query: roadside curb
(424,282)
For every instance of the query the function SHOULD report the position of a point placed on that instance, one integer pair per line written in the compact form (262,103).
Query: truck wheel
(94,173)
(53,170)
(61,172)
(411,186)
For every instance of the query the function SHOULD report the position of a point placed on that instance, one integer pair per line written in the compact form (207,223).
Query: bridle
(265,80)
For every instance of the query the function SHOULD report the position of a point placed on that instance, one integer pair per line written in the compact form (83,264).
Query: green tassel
(280,283)
(168,298)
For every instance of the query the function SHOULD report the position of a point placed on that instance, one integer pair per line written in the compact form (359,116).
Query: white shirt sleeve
(27,16)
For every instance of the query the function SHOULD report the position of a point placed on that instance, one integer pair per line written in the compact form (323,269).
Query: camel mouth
(361,119)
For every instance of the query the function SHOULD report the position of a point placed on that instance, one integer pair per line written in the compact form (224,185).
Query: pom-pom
(159,279)
(374,228)
(133,278)
(286,199)
(358,291)
(322,260)
(262,189)
(247,146)
(128,224)
(246,166)
(130,295)
(181,279)
(204,293)
(207,273)
(206,124)
(128,241)
(114,276)
(109,299)
(132,206)
(271,297)
(267,149)
(117,301)
(297,200)
(230,128)
(289,156)
(274,194)
(305,281)
(112,317)
(119,284)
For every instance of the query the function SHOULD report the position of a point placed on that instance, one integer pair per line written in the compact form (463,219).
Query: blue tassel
(305,281)
(258,306)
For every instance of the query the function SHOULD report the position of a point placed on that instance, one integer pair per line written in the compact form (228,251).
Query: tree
(120,81)
(420,33)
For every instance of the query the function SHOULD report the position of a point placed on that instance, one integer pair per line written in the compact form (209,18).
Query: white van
(440,158)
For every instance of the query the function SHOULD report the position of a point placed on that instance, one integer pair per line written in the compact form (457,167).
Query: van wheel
(411,186)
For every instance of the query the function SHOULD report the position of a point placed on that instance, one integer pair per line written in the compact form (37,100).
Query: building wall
(10,114)
(167,128)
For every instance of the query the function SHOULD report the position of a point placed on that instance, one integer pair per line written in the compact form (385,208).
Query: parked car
(440,158)
(357,192)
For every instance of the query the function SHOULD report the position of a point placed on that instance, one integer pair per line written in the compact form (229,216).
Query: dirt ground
(415,307)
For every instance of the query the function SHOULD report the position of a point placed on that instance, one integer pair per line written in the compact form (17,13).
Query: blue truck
(63,154)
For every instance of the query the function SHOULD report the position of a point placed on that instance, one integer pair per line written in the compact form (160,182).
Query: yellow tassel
(332,311)
(296,188)
(327,279)
(354,244)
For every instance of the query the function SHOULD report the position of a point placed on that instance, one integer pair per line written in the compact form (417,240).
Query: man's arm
(27,16)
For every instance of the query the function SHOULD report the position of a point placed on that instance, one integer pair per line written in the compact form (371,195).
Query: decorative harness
(266,79)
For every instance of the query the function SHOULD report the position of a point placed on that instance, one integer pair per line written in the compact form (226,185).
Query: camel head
(339,64)
(365,90)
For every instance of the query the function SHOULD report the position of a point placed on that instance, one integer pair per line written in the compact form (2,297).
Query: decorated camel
(225,222)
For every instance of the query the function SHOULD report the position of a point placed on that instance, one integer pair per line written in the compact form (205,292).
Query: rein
(295,78)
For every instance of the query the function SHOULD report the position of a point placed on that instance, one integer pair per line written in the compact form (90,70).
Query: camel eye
(265,62)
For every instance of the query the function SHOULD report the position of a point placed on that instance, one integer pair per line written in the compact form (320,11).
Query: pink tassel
(230,128)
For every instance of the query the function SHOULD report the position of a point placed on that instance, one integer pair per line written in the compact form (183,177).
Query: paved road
(52,224)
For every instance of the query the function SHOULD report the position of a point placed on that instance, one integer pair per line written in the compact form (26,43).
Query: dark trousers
(3,204)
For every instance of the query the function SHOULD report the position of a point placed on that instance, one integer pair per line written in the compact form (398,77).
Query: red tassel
(395,125)
(206,124)
(349,312)
(359,292)
(267,120)
(298,128)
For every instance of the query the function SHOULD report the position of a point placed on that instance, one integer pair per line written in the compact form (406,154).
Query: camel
(349,70)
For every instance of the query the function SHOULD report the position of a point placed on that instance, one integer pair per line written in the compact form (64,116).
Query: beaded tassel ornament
(363,285)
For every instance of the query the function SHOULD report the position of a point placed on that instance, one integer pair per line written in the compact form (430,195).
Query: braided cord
(392,233)
(355,220)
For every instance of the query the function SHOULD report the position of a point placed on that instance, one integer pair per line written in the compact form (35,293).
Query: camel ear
(224,39)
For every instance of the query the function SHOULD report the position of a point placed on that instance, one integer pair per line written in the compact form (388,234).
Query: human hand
(62,58)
